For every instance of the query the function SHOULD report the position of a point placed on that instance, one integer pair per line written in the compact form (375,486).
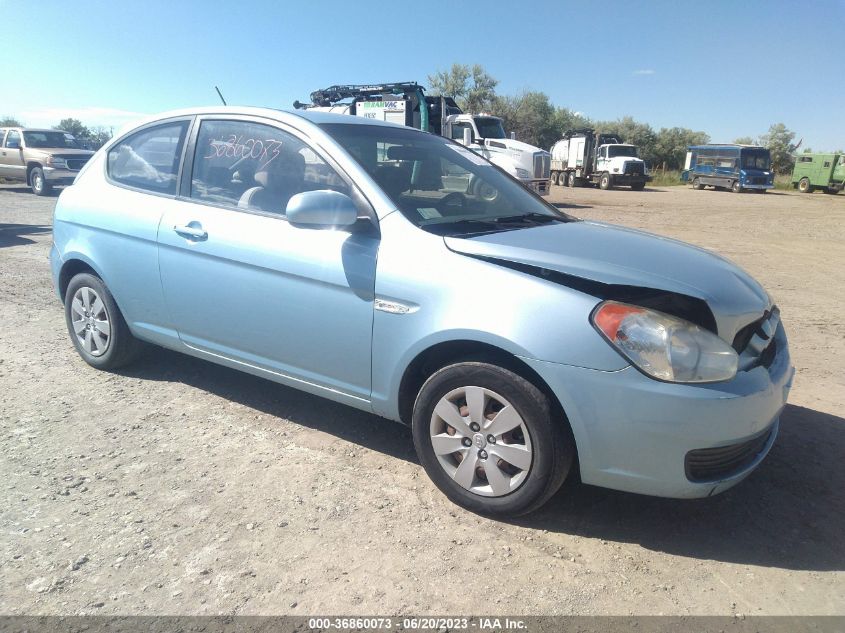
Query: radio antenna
(219,94)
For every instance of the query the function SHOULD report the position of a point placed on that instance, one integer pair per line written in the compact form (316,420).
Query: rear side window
(149,159)
(256,167)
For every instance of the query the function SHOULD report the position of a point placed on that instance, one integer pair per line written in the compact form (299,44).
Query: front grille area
(633,169)
(710,464)
(542,165)
(76,163)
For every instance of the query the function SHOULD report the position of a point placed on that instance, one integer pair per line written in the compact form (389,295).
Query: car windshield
(622,150)
(51,139)
(755,160)
(490,127)
(440,185)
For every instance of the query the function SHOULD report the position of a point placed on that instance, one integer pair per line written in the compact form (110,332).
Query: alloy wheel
(90,321)
(481,441)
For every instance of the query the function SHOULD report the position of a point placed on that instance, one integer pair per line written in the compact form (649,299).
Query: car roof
(315,117)
(32,129)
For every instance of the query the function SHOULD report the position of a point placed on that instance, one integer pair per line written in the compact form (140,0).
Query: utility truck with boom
(406,103)
(584,157)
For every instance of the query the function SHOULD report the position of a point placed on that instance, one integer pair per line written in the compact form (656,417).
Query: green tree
(473,88)
(565,120)
(531,116)
(10,121)
(779,140)
(670,146)
(745,140)
(99,135)
(75,127)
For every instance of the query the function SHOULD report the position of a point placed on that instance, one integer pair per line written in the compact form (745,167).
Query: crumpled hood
(616,255)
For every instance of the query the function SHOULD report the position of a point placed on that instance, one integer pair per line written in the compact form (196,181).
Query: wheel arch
(73,266)
(30,165)
(439,355)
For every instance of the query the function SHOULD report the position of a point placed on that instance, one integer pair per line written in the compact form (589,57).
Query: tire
(736,187)
(104,342)
(541,448)
(605,182)
(554,177)
(571,180)
(804,186)
(40,186)
(638,186)
(831,191)
(696,184)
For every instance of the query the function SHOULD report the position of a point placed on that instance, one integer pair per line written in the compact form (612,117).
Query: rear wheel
(696,184)
(831,190)
(804,186)
(638,186)
(39,184)
(605,182)
(96,327)
(555,177)
(487,439)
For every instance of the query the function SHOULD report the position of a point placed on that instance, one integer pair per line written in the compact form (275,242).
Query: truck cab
(487,137)
(621,165)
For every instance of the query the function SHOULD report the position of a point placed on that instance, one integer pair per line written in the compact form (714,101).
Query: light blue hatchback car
(400,273)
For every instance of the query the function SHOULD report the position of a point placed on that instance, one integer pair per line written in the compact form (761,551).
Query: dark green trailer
(819,171)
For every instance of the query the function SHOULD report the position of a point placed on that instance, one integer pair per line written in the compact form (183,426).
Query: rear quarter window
(149,159)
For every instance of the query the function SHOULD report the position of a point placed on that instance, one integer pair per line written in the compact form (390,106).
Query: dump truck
(583,158)
(819,171)
(406,103)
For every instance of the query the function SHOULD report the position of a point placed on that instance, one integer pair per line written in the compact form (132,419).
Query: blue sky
(729,68)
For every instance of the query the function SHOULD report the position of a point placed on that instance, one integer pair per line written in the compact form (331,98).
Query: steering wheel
(452,203)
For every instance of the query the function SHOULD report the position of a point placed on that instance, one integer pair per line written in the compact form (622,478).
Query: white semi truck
(407,104)
(584,158)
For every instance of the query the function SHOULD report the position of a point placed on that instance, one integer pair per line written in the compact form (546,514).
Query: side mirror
(321,209)
(467,136)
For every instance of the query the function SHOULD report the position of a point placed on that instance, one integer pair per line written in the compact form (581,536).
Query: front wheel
(39,184)
(605,182)
(696,184)
(572,182)
(488,440)
(736,187)
(96,327)
(804,186)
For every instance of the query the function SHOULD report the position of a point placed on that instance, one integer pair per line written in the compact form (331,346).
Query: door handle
(192,232)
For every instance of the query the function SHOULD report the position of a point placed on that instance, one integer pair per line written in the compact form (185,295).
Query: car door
(244,285)
(11,157)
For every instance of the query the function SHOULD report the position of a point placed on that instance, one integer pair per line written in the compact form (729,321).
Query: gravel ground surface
(180,487)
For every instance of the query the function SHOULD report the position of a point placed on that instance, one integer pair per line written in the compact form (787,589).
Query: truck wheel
(555,177)
(831,191)
(638,186)
(804,186)
(696,184)
(605,182)
(736,187)
(572,179)
(38,182)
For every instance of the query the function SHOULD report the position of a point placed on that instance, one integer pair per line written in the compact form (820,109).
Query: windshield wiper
(527,217)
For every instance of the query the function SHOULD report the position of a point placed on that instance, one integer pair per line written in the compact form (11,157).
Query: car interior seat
(277,181)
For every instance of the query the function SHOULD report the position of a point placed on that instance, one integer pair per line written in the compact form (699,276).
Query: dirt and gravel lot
(180,487)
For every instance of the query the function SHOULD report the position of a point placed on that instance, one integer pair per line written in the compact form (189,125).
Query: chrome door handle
(193,232)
